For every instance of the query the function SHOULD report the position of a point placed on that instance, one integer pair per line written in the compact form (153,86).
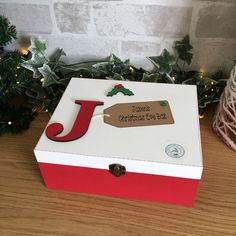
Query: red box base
(131,185)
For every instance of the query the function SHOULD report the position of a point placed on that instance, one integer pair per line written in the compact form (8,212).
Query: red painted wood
(80,125)
(131,185)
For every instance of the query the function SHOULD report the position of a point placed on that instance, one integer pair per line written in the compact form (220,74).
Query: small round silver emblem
(174,150)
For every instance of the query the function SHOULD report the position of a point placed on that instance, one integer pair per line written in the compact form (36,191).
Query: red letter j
(80,126)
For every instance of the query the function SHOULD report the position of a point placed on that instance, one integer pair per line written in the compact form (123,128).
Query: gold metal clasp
(117,170)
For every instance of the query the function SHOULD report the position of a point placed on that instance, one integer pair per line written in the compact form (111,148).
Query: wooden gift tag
(139,114)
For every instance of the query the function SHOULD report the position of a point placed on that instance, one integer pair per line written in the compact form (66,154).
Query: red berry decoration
(120,88)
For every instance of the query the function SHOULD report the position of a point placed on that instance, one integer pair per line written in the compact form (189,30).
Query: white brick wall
(130,28)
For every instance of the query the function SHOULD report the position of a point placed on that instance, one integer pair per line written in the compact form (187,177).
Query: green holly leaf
(110,94)
(183,49)
(163,62)
(49,76)
(125,91)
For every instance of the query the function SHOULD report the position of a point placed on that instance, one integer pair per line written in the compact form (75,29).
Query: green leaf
(151,77)
(117,61)
(118,77)
(114,68)
(208,98)
(119,66)
(190,81)
(183,49)
(38,58)
(125,91)
(7,31)
(204,84)
(20,118)
(114,59)
(102,69)
(57,55)
(49,76)
(37,46)
(128,92)
(163,62)
(31,66)
(36,92)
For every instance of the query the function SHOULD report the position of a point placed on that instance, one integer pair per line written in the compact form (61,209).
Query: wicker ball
(224,122)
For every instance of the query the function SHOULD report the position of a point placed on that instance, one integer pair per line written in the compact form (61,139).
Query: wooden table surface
(28,208)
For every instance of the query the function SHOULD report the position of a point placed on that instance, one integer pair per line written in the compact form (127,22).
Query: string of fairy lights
(34,95)
(24,52)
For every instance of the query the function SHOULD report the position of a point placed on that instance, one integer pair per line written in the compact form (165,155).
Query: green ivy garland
(35,84)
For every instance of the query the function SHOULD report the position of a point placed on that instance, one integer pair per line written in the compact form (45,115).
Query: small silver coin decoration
(174,150)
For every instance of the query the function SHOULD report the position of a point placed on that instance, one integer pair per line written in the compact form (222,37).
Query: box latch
(117,170)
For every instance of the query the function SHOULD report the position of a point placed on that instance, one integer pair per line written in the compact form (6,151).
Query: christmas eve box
(130,139)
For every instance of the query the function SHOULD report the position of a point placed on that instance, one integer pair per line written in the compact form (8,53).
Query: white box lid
(142,149)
